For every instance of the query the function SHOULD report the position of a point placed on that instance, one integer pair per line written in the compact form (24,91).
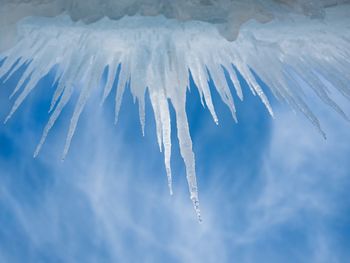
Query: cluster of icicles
(156,56)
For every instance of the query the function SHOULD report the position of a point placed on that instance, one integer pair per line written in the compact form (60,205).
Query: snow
(157,54)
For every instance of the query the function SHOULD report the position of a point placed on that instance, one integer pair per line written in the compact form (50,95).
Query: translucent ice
(300,44)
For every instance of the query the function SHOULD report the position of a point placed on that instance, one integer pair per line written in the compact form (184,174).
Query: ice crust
(227,15)
(155,55)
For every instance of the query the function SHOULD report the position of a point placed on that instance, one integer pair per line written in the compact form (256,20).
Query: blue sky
(270,190)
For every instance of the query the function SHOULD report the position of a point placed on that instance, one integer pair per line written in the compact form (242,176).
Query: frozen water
(227,15)
(156,52)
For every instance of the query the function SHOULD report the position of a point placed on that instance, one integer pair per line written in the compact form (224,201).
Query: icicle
(96,73)
(234,78)
(157,117)
(112,71)
(166,135)
(142,114)
(203,88)
(157,55)
(222,88)
(124,77)
(67,93)
(185,142)
(69,72)
(15,68)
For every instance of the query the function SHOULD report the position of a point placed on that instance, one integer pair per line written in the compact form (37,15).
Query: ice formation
(153,47)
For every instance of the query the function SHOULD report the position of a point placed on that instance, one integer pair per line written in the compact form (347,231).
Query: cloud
(304,182)
(275,196)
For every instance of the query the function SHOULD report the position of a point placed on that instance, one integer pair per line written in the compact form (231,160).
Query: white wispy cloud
(107,204)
